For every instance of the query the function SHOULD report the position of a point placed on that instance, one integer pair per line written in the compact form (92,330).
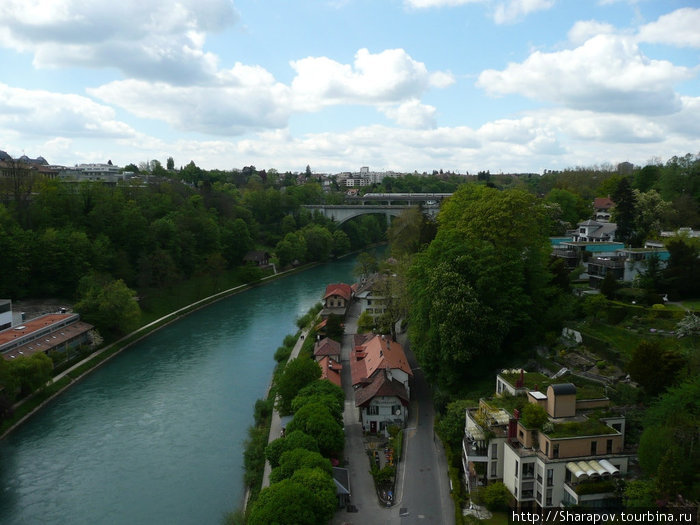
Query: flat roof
(538,395)
(27,327)
(46,342)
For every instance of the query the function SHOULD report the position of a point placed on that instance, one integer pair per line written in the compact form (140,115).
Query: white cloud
(680,28)
(246,98)
(385,77)
(157,39)
(514,10)
(585,29)
(39,112)
(412,114)
(504,12)
(607,73)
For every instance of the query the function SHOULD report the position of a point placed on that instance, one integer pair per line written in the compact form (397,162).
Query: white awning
(609,467)
(576,471)
(587,469)
(599,468)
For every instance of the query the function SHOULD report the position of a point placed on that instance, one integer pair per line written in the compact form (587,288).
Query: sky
(459,85)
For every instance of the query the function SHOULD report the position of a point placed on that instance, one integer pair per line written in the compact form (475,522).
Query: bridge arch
(343,213)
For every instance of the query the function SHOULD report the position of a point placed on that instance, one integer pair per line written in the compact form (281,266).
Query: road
(422,491)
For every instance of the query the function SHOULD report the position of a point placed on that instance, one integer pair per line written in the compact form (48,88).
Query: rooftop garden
(507,402)
(585,388)
(596,487)
(589,427)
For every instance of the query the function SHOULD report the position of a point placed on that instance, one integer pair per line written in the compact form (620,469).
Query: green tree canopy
(285,503)
(298,458)
(108,304)
(296,375)
(480,284)
(291,441)
(316,420)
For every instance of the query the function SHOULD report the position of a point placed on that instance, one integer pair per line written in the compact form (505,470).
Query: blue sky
(461,85)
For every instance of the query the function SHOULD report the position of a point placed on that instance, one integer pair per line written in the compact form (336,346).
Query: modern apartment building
(573,457)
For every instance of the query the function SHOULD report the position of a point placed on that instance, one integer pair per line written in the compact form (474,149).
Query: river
(156,435)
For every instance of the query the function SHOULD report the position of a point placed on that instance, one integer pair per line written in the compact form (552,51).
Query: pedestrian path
(276,422)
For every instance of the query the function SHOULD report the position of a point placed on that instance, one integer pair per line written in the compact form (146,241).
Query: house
(380,377)
(625,264)
(594,231)
(327,347)
(336,299)
(574,253)
(574,458)
(257,257)
(602,208)
(371,297)
(331,369)
(5,313)
(47,333)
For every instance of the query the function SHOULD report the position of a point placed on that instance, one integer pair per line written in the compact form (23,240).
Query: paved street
(422,492)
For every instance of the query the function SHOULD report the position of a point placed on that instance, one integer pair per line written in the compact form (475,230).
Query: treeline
(154,235)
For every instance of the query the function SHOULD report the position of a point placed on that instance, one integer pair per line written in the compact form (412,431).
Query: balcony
(474,452)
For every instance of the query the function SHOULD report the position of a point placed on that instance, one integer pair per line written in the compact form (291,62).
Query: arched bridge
(388,204)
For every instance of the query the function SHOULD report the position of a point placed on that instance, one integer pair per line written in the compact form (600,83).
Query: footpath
(276,422)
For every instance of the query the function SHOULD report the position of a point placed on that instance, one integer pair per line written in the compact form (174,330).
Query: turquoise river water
(156,435)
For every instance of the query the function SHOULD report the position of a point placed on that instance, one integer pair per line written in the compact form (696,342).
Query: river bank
(72,375)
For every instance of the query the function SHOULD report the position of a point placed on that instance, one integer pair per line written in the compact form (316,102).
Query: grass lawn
(692,304)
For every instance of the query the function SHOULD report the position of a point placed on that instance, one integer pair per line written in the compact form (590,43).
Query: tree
(480,284)
(341,243)
(108,304)
(593,305)
(319,242)
(31,373)
(450,426)
(624,211)
(681,273)
(573,207)
(365,323)
(335,328)
(654,367)
(322,391)
(285,503)
(290,441)
(170,164)
(296,375)
(534,416)
(296,459)
(316,420)
(321,484)
(609,284)
(495,496)
(365,265)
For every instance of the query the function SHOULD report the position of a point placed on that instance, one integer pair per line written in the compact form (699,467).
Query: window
(550,477)
(617,426)
(594,448)
(516,468)
(528,470)
(546,448)
(555,450)
(548,502)
(494,467)
(373,410)
(369,302)
(494,450)
(608,446)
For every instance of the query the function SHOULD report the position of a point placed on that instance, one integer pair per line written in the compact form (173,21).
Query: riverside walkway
(276,422)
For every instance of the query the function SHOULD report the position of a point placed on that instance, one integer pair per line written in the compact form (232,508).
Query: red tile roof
(341,289)
(377,352)
(381,385)
(330,369)
(603,203)
(326,346)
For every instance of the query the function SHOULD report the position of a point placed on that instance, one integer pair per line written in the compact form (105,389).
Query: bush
(601,365)
(282,354)
(495,496)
